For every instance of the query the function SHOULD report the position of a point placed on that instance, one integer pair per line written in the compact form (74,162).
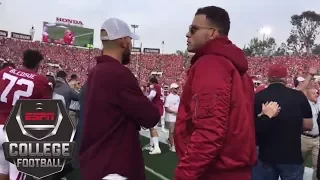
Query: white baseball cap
(174,85)
(117,29)
(300,79)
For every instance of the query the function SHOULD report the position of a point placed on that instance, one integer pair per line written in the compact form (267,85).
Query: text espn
(38,116)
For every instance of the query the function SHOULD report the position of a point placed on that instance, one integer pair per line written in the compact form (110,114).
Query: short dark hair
(217,16)
(73,76)
(31,58)
(276,80)
(154,80)
(61,74)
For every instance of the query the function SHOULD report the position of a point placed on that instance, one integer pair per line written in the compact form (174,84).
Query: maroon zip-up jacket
(115,108)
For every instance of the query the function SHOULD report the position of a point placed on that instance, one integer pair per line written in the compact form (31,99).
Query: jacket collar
(222,47)
(275,85)
(205,49)
(61,80)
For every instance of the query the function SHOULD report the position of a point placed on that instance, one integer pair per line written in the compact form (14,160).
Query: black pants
(66,170)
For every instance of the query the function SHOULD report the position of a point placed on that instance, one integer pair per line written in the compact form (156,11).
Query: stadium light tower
(265,31)
(162,44)
(134,26)
(32,31)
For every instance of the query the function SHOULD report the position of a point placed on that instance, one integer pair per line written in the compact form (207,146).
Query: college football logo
(39,120)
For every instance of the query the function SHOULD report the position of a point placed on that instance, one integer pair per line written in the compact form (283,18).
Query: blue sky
(165,20)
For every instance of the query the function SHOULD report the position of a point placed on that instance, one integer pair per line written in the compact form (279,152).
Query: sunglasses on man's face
(194,28)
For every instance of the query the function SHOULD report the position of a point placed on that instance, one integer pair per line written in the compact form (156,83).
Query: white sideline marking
(155,173)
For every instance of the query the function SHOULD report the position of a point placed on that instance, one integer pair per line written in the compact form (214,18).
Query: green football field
(83,36)
(158,167)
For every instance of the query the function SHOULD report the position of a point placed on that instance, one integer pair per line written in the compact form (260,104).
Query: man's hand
(313,71)
(271,109)
(168,110)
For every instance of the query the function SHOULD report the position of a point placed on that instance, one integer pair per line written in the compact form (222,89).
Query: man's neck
(276,83)
(114,55)
(315,102)
(33,70)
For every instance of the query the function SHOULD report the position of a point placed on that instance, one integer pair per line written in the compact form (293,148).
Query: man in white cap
(115,110)
(171,107)
(301,83)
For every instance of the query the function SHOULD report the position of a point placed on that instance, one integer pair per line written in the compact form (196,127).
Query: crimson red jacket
(214,133)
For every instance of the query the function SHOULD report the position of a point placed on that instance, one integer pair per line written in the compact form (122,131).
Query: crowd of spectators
(172,67)
(297,66)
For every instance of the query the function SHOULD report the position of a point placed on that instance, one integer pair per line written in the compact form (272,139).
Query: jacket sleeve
(151,95)
(211,103)
(46,90)
(74,96)
(78,136)
(63,101)
(137,105)
(262,124)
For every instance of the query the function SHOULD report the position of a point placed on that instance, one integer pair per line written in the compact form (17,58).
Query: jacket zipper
(195,108)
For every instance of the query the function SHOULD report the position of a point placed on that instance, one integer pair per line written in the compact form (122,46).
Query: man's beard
(126,57)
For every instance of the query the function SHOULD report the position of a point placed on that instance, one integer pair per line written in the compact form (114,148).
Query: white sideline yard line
(149,169)
(155,173)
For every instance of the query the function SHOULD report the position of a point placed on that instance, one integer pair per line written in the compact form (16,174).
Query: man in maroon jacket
(115,109)
(214,131)
(155,96)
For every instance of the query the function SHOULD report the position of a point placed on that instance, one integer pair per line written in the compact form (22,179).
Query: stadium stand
(173,67)
(79,61)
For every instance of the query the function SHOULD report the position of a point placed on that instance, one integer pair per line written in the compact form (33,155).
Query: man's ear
(214,33)
(123,42)
(103,33)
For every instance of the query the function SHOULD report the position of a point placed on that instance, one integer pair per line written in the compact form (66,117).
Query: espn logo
(39,116)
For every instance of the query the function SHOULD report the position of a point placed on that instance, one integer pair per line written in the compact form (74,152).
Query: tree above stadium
(305,28)
(260,47)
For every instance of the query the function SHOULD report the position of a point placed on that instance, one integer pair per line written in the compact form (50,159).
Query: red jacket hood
(222,46)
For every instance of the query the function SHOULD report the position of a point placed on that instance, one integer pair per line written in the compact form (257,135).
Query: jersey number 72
(13,85)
